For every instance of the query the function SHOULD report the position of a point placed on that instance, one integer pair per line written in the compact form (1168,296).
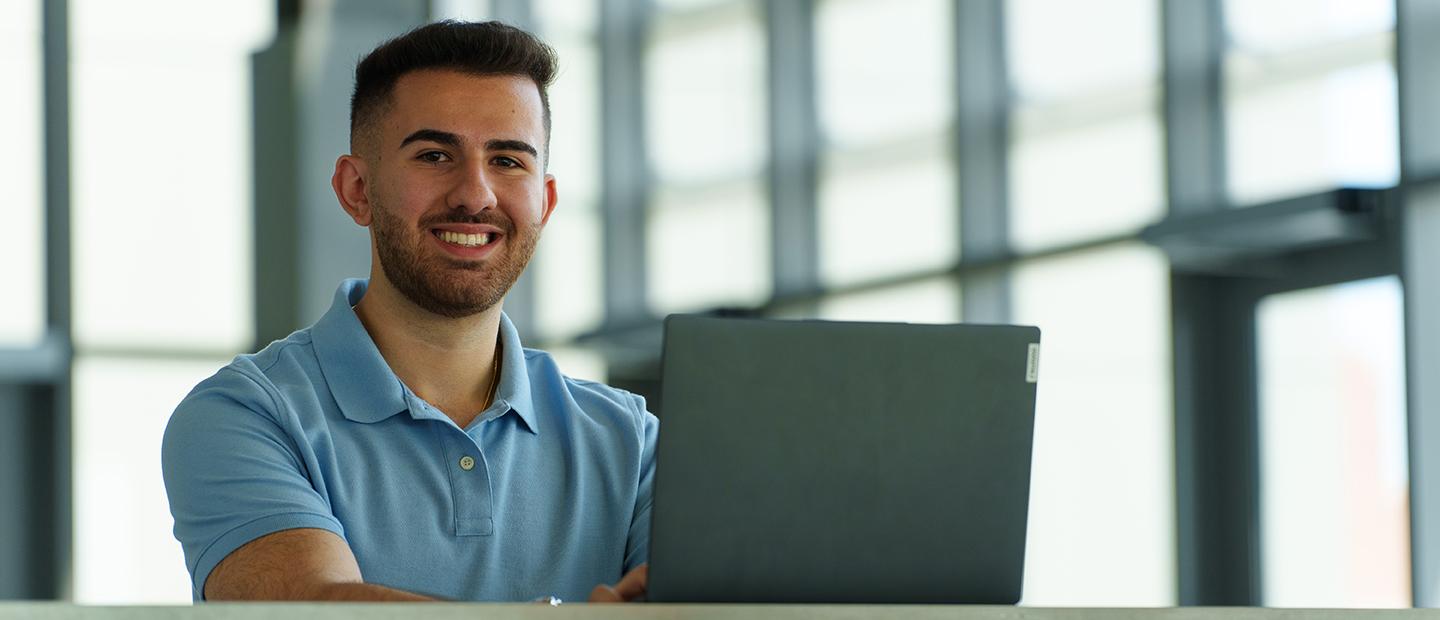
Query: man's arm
(296,565)
(316,565)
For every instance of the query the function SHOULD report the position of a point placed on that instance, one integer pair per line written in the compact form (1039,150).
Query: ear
(551,199)
(349,184)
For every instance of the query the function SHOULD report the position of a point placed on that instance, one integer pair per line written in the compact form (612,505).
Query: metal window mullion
(794,148)
(981,147)
(623,171)
(50,501)
(1193,42)
(1216,433)
(1417,45)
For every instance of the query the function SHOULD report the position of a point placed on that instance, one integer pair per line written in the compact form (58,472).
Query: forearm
(362,592)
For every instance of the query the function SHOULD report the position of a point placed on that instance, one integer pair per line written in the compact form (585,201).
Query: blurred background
(1219,212)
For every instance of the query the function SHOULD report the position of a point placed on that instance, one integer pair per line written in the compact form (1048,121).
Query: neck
(450,363)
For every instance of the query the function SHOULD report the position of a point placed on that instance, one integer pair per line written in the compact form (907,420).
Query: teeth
(465,240)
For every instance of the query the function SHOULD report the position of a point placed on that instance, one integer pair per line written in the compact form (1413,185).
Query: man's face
(457,187)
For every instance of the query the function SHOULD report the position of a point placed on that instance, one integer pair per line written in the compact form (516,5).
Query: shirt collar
(365,388)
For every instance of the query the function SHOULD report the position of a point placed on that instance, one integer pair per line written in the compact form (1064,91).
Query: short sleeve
(637,546)
(233,474)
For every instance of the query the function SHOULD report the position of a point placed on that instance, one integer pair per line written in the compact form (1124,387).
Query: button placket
(469,485)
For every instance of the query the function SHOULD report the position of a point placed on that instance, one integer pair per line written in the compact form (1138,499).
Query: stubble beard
(445,286)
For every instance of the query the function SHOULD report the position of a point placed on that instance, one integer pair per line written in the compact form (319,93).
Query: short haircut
(478,48)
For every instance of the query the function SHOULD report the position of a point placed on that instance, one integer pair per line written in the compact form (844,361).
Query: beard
(446,286)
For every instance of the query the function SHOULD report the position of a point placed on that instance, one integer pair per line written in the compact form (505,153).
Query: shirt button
(467,463)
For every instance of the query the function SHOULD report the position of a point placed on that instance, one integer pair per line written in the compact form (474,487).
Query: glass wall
(1334,484)
(22,203)
(708,221)
(1310,96)
(161,185)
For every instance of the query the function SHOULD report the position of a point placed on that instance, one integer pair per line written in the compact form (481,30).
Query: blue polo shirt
(546,493)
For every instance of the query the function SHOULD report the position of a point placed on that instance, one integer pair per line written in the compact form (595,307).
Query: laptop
(835,462)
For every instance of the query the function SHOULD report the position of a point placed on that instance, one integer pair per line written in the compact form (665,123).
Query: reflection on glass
(705,97)
(161,227)
(935,300)
(708,250)
(1064,49)
(886,221)
(1086,182)
(22,314)
(124,551)
(1102,519)
(883,68)
(1334,488)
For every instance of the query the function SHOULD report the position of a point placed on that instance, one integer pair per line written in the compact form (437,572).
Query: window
(1102,522)
(707,227)
(887,195)
(22,321)
(162,252)
(1086,153)
(1310,97)
(568,267)
(1334,484)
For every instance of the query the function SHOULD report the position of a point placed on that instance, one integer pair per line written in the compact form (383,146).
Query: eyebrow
(432,135)
(511,145)
(452,140)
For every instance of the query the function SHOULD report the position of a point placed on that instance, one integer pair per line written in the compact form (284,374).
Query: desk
(473,611)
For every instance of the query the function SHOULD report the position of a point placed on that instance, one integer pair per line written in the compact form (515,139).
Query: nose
(472,192)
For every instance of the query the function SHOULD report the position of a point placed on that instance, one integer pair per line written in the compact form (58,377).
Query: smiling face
(453,188)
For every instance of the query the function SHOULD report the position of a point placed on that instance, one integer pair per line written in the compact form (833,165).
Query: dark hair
(479,48)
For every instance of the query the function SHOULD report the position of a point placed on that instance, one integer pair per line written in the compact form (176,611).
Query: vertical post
(1216,436)
(794,147)
(623,164)
(51,502)
(1417,38)
(981,149)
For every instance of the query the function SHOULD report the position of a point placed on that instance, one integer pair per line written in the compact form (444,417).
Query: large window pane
(935,300)
(709,250)
(887,214)
(884,68)
(124,550)
(1061,50)
(1334,488)
(1102,519)
(705,95)
(1310,97)
(162,171)
(568,268)
(1079,183)
(1086,152)
(22,314)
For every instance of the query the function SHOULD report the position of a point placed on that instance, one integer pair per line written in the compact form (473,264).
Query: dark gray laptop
(816,461)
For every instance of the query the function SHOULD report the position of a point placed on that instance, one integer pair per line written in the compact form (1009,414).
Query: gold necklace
(494,381)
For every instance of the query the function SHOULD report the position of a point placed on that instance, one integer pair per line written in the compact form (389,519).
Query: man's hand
(630,588)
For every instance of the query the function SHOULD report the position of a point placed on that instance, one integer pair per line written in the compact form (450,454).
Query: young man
(406,446)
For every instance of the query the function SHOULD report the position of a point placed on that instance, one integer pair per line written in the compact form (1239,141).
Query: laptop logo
(1032,363)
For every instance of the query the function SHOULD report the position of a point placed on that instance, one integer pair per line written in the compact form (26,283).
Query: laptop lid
(816,461)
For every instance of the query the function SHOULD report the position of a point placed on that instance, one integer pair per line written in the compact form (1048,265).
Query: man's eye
(508,162)
(433,157)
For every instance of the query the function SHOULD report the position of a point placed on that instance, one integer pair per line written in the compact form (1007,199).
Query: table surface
(456,611)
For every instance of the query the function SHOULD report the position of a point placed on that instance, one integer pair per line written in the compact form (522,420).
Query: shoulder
(249,382)
(590,399)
